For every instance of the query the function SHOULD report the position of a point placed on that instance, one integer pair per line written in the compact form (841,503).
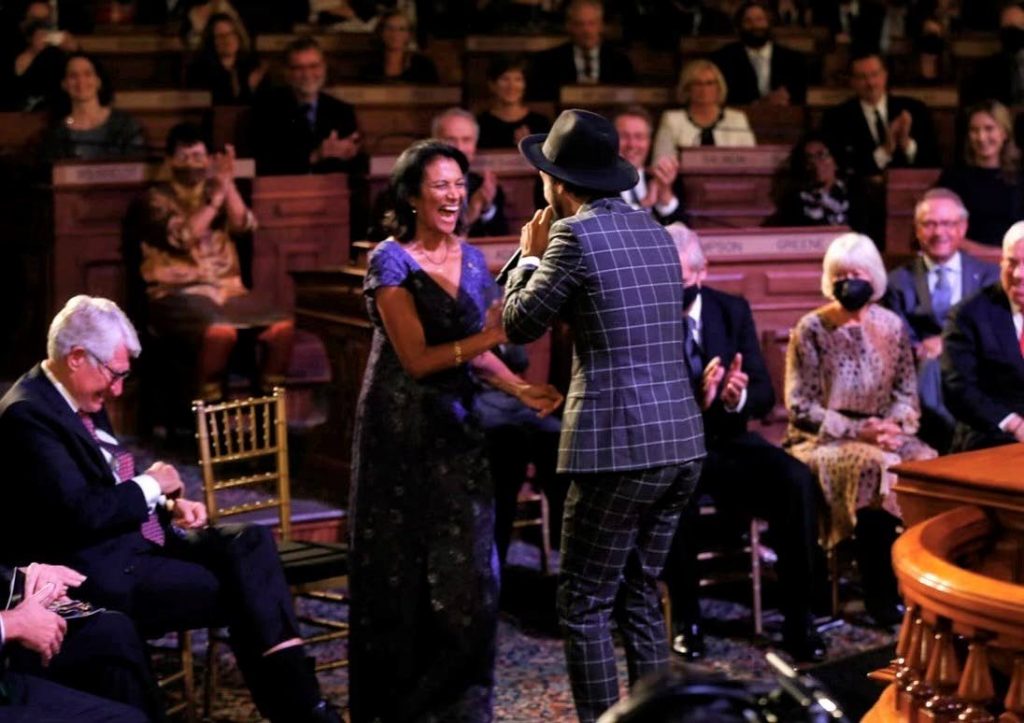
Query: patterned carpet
(531,681)
(530,673)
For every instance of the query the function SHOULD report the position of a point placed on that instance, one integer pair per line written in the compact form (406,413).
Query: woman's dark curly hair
(208,45)
(407,184)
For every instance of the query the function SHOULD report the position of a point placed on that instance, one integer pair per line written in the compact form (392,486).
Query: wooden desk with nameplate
(729,187)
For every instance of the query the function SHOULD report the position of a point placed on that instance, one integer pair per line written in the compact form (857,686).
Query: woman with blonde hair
(989,177)
(851,395)
(703,120)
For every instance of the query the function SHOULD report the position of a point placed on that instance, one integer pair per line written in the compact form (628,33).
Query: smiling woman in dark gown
(424,577)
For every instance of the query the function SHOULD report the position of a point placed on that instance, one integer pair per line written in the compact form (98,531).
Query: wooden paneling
(138,60)
(729,187)
(303,225)
(903,188)
(392,117)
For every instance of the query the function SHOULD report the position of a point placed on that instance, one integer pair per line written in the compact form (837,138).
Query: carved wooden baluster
(976,688)
(215,435)
(913,670)
(920,690)
(943,676)
(898,664)
(1014,701)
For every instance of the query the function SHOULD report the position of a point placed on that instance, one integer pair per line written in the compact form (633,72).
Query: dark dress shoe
(806,646)
(689,641)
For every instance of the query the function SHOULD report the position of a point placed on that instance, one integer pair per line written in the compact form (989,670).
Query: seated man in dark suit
(756,69)
(300,129)
(877,130)
(585,59)
(99,656)
(743,472)
(485,201)
(983,357)
(924,290)
(659,187)
(73,497)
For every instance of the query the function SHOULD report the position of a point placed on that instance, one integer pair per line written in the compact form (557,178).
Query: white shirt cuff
(1008,420)
(882,157)
(668,208)
(531,261)
(150,489)
(488,213)
(911,150)
(740,405)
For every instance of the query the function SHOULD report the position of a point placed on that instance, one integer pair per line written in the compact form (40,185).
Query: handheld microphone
(512,262)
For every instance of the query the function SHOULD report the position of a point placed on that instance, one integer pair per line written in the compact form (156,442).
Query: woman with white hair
(851,394)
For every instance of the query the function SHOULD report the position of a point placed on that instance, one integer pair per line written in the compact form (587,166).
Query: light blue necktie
(942,294)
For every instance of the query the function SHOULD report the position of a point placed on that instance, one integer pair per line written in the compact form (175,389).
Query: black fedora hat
(582,149)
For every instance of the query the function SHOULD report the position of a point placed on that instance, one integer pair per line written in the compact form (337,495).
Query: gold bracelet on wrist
(458,353)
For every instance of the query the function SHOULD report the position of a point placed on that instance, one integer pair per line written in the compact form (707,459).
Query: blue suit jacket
(982,369)
(62,504)
(614,274)
(908,295)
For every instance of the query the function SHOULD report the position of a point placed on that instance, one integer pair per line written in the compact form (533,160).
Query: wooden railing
(960,654)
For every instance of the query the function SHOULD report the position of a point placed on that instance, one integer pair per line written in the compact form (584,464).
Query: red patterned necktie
(124,463)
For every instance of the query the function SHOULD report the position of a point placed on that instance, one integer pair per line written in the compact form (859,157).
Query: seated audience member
(656,188)
(343,15)
(144,549)
(694,18)
(52,670)
(932,61)
(516,437)
(808,192)
(877,130)
(924,291)
(485,201)
(225,64)
(300,129)
(33,59)
(756,69)
(85,125)
(703,120)
(998,77)
(989,178)
(394,60)
(509,119)
(743,473)
(195,20)
(857,22)
(585,60)
(982,344)
(183,234)
(851,394)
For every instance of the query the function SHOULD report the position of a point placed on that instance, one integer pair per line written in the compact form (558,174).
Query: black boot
(292,693)
(874,536)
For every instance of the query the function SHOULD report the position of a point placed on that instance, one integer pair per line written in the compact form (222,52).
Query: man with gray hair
(923,292)
(73,498)
(983,356)
(485,201)
(745,474)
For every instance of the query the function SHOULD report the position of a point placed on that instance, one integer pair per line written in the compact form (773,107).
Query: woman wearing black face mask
(851,394)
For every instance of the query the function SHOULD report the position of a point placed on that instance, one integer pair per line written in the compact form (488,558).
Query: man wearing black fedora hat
(631,438)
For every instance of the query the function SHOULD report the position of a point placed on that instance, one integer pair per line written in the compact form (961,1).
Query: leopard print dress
(838,376)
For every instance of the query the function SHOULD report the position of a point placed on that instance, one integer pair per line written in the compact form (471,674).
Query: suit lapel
(970,276)
(711,322)
(924,296)
(1001,324)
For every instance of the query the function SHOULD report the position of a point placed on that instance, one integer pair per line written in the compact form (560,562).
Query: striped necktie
(124,465)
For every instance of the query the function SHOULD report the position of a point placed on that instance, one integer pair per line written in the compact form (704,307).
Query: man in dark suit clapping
(631,434)
(657,189)
(877,130)
(744,474)
(983,357)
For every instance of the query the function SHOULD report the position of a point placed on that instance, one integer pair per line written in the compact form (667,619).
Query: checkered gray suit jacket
(614,274)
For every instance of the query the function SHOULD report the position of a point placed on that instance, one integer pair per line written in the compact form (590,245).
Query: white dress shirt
(147,483)
(761,60)
(581,64)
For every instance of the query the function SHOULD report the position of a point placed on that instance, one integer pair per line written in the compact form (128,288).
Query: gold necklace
(426,256)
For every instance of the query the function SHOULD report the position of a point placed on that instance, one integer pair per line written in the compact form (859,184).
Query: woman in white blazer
(703,120)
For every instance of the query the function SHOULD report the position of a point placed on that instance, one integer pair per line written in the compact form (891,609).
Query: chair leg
(545,532)
(833,577)
(666,609)
(210,674)
(755,574)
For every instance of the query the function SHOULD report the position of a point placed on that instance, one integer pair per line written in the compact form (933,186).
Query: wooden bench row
(390,117)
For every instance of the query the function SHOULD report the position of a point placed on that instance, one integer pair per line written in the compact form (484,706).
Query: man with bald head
(983,356)
(923,292)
